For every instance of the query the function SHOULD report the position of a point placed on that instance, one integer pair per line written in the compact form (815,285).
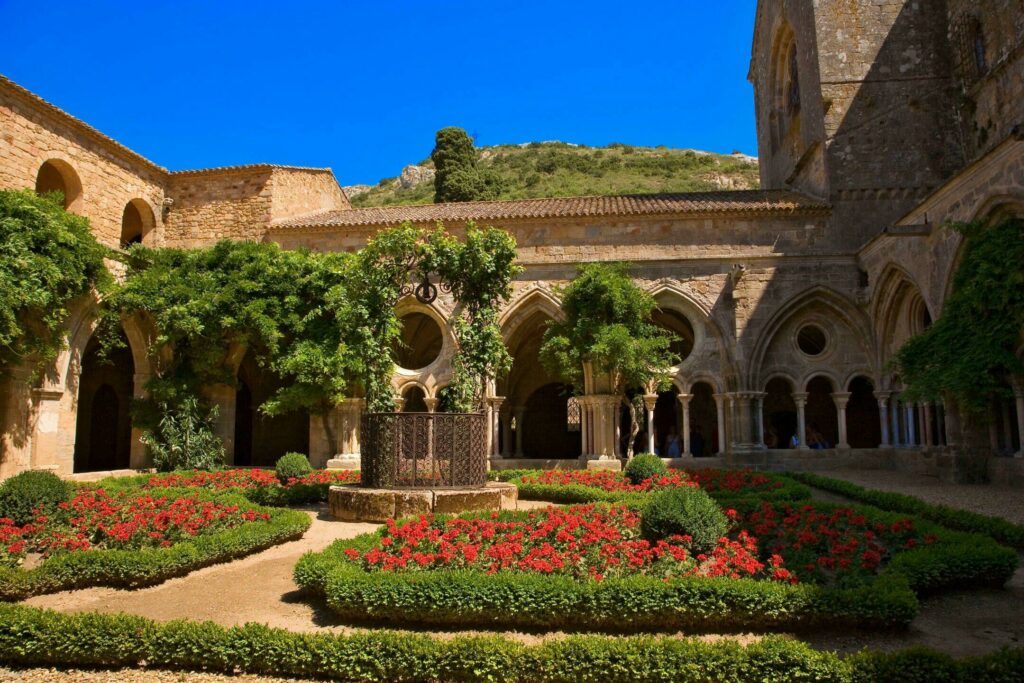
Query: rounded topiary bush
(644,466)
(685,511)
(23,493)
(292,466)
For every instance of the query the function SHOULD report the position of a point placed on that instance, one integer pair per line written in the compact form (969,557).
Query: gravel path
(1001,501)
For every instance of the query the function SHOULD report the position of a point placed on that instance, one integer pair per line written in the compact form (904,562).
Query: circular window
(420,343)
(812,340)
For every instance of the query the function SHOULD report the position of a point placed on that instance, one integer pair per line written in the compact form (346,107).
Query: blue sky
(362,86)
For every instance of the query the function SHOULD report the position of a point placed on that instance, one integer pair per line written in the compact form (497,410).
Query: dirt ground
(260,589)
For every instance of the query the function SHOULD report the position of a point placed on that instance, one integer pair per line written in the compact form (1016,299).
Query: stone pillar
(720,409)
(45,446)
(911,431)
(841,398)
(883,416)
(399,404)
(431,404)
(139,452)
(684,400)
(800,399)
(1018,395)
(650,400)
(926,426)
(496,402)
(506,434)
(759,419)
(519,412)
(952,420)
(15,422)
(347,419)
(894,415)
(741,403)
(585,444)
(223,396)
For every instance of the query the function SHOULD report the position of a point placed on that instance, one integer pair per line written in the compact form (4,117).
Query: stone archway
(863,421)
(57,175)
(136,222)
(103,424)
(547,432)
(267,438)
(822,416)
(704,440)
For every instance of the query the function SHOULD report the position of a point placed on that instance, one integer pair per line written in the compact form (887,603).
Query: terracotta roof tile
(248,167)
(697,203)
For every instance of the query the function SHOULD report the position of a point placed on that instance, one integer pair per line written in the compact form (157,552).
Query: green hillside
(558,169)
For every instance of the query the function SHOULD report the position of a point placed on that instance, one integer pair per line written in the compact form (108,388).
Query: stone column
(911,433)
(519,412)
(759,419)
(506,434)
(496,402)
(800,399)
(883,416)
(720,409)
(45,452)
(684,400)
(223,396)
(926,428)
(841,398)
(1018,395)
(585,448)
(431,404)
(650,400)
(139,452)
(399,404)
(742,426)
(347,418)
(894,416)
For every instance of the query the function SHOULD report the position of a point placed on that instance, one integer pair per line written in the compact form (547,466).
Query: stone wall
(233,203)
(300,192)
(110,176)
(987,50)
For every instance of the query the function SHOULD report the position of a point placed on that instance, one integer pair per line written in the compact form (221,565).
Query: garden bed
(133,538)
(592,486)
(587,568)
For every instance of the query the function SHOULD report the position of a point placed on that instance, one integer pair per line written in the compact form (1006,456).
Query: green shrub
(687,512)
(184,438)
(32,636)
(23,493)
(292,466)
(644,466)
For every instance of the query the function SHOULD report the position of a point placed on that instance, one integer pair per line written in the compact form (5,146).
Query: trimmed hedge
(576,493)
(23,493)
(273,496)
(638,603)
(30,636)
(149,566)
(949,517)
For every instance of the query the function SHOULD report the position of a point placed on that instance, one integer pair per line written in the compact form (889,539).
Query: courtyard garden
(697,574)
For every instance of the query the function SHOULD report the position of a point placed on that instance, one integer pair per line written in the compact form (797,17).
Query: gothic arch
(899,310)
(536,299)
(783,85)
(709,339)
(820,305)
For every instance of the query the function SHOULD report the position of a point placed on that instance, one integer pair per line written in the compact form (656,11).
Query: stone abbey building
(878,122)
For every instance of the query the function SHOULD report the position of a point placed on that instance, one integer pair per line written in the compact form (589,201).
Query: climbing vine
(973,348)
(324,324)
(48,258)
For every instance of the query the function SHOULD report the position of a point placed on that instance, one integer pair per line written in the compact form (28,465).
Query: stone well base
(357,504)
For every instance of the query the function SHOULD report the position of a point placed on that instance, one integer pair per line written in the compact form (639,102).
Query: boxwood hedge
(149,566)
(638,603)
(31,636)
(949,517)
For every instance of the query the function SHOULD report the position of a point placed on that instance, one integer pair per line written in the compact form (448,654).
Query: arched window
(56,175)
(136,222)
(784,86)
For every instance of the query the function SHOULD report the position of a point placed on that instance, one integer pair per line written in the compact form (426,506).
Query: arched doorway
(548,433)
(136,222)
(821,414)
(779,413)
(260,439)
(863,424)
(103,426)
(415,400)
(703,421)
(56,175)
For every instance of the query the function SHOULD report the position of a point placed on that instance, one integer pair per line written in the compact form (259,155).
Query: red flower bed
(710,480)
(95,520)
(823,545)
(247,479)
(583,541)
(614,482)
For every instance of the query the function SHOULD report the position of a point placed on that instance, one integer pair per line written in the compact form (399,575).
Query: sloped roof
(741,202)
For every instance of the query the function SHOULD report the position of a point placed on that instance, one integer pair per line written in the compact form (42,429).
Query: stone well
(358,504)
(419,463)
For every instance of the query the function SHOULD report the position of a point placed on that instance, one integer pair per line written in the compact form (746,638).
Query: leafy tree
(48,258)
(972,349)
(608,324)
(457,177)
